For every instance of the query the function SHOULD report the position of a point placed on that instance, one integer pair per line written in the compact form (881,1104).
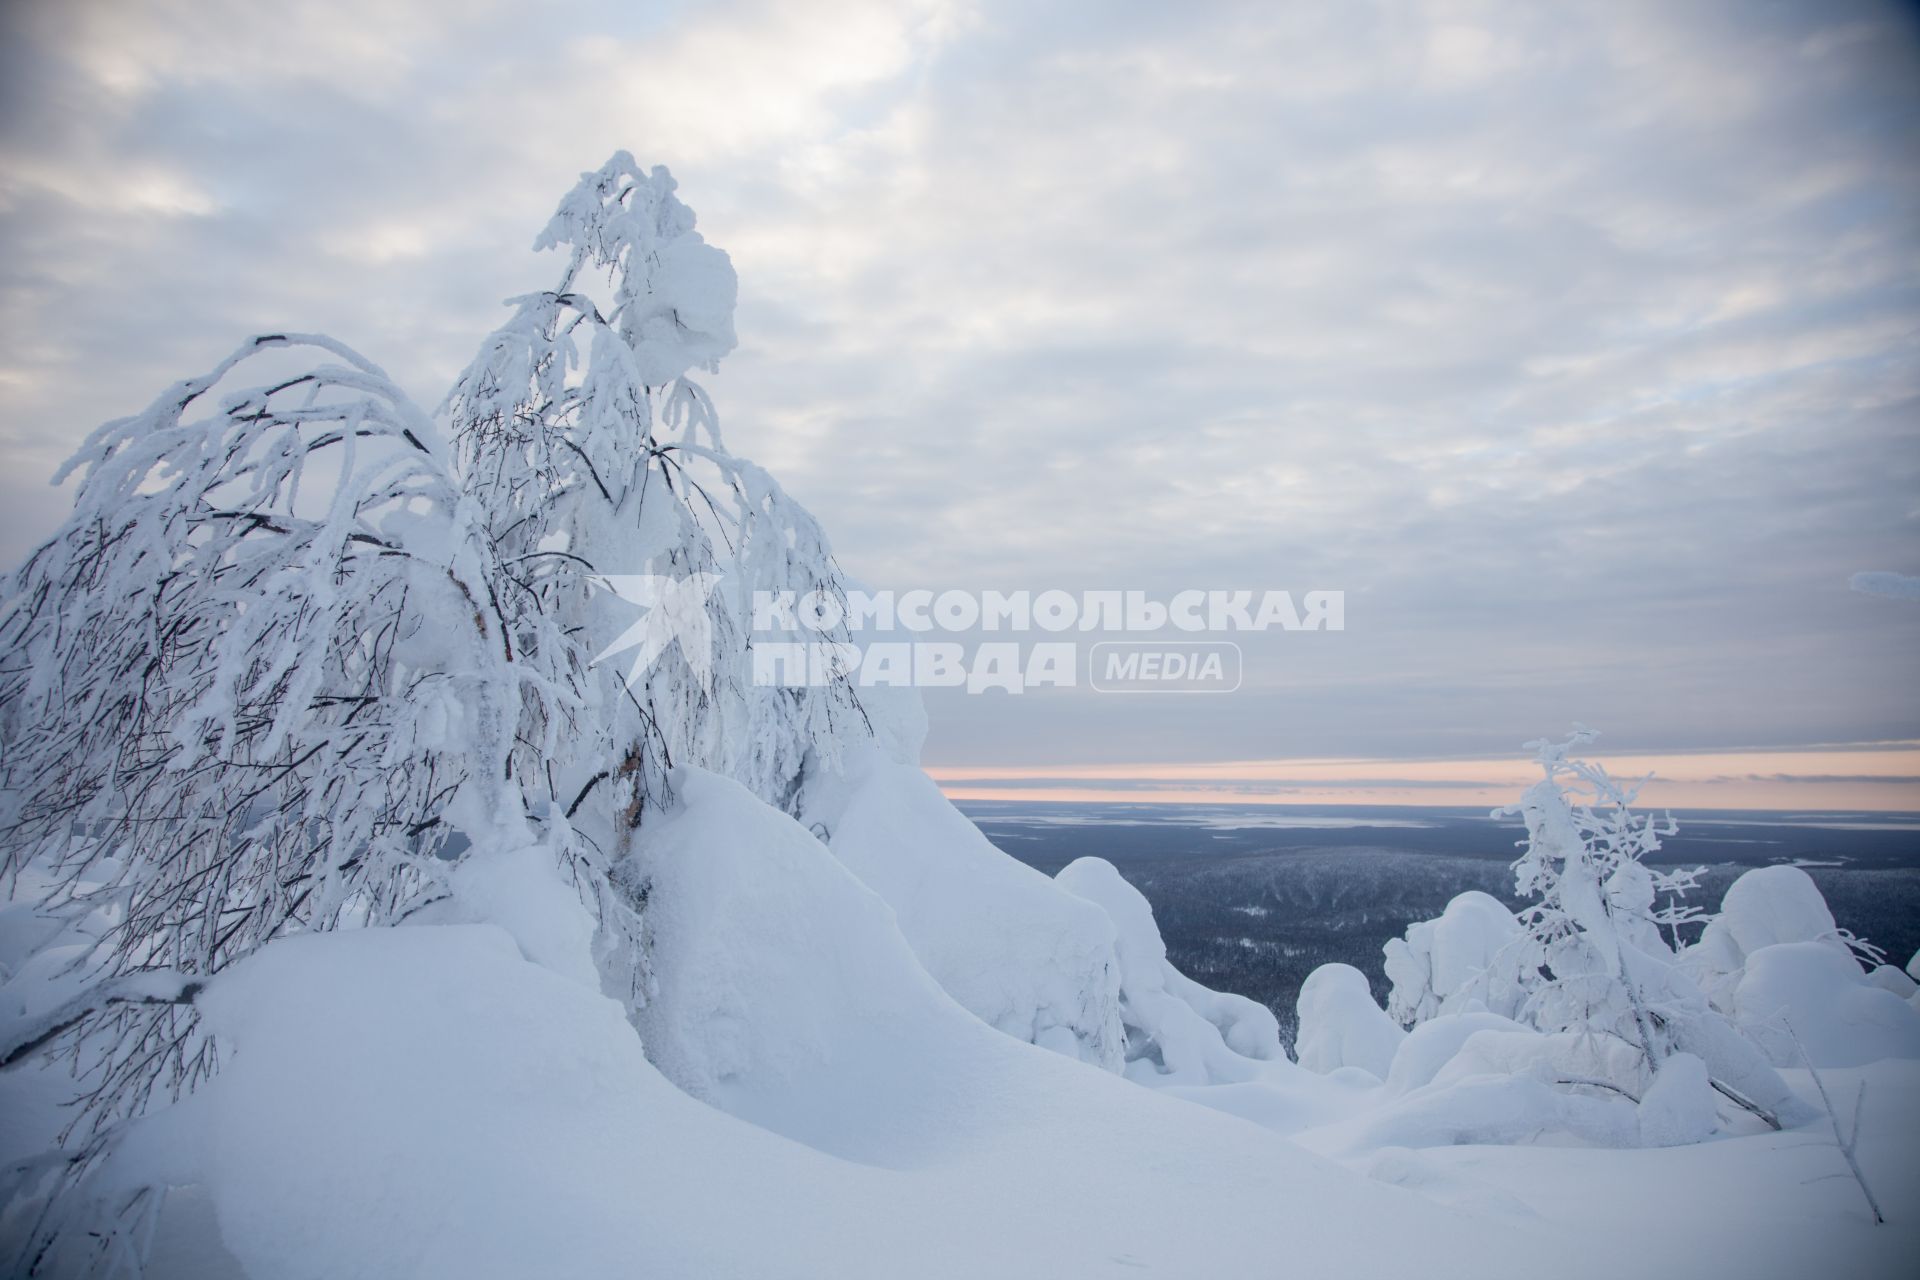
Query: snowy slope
(432,1102)
(468,1113)
(1019,951)
(1758,1206)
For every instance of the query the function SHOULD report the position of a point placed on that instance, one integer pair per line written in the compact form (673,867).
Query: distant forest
(1257,922)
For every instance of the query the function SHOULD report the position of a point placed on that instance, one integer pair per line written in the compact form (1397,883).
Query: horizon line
(1880,777)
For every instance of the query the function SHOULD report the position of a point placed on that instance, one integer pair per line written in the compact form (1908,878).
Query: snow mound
(1678,1107)
(1490,1109)
(786,994)
(458,1111)
(1509,1085)
(1818,995)
(1561,1056)
(1177,1031)
(1894,979)
(1770,905)
(1010,945)
(1434,1043)
(1341,1026)
(521,891)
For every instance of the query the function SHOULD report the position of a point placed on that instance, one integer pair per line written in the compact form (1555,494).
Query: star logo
(672,609)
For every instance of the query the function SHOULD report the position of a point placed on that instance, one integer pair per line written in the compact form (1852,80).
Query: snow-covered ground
(805,1100)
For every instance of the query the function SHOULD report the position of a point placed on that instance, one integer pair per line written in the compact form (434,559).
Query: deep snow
(446,1100)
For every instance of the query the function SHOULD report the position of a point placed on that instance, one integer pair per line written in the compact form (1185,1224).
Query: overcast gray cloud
(1576,342)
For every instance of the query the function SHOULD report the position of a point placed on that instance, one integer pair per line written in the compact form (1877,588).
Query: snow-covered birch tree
(303,649)
(591,450)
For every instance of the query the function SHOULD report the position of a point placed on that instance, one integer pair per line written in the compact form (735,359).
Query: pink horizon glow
(1877,777)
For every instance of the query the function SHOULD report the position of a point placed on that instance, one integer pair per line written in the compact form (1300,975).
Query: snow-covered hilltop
(365,921)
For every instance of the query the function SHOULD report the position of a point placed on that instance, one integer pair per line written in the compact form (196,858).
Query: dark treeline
(1256,921)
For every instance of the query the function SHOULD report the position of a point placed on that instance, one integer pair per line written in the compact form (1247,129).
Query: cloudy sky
(1576,343)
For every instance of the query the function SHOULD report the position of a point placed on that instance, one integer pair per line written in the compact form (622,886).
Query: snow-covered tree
(592,452)
(1595,902)
(246,683)
(1592,956)
(303,650)
(1594,960)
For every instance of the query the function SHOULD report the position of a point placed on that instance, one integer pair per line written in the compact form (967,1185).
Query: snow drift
(1003,940)
(1177,1031)
(463,1111)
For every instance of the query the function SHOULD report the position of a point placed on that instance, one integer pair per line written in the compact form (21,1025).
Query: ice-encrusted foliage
(302,649)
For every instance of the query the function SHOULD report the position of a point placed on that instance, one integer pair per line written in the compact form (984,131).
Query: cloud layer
(1577,343)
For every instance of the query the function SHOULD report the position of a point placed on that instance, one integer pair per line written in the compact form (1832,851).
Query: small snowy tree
(1596,962)
(1595,900)
(1591,957)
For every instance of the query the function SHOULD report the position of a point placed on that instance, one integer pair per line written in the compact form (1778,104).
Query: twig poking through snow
(1845,1143)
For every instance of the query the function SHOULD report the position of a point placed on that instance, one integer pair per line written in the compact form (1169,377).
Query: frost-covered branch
(250,675)
(29,1035)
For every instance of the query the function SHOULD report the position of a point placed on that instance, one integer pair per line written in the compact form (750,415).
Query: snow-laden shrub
(1792,981)
(1479,1078)
(1341,1026)
(1454,962)
(1770,905)
(268,677)
(1807,998)
(1177,1031)
(1764,907)
(1434,1043)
